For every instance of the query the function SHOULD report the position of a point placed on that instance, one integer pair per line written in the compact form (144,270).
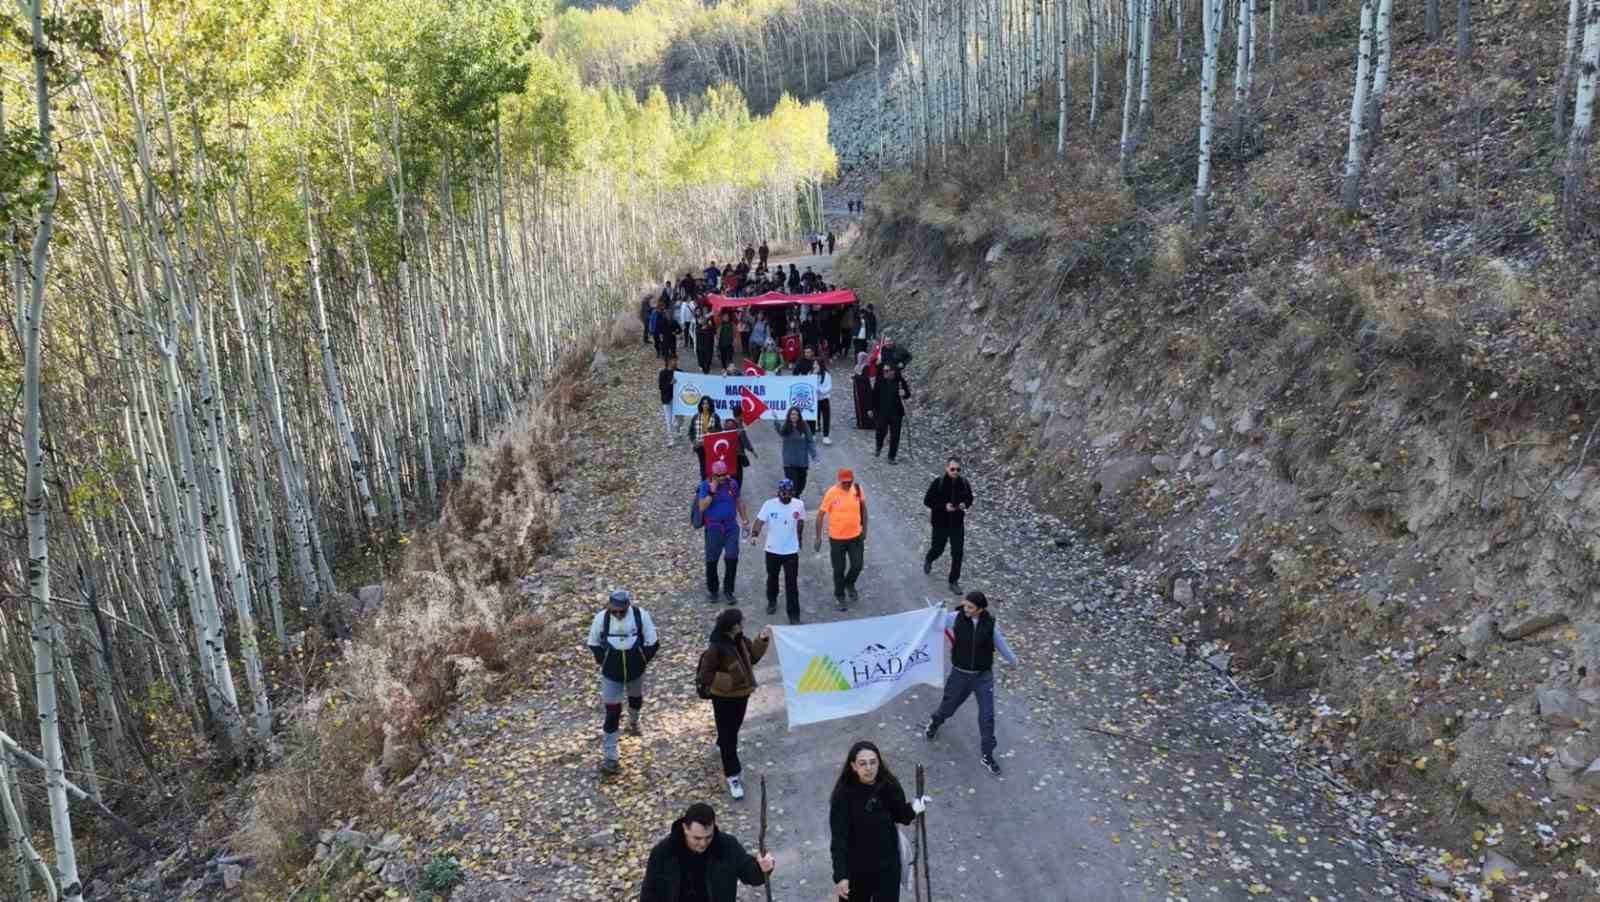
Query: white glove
(920,804)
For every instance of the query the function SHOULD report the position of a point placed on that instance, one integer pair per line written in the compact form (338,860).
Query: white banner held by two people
(850,667)
(766,397)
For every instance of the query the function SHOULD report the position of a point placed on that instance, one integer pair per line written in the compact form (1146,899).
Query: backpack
(697,517)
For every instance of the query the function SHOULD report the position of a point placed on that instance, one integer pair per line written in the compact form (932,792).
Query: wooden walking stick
(922,839)
(761,841)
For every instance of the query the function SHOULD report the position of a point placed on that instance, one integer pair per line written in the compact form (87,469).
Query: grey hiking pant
(611,695)
(962,683)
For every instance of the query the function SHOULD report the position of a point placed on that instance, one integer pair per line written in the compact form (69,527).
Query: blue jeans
(722,541)
(959,685)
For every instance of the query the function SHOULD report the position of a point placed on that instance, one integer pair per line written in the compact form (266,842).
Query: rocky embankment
(1405,561)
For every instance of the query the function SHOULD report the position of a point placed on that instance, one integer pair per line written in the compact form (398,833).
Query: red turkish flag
(750,368)
(791,348)
(753,406)
(723,446)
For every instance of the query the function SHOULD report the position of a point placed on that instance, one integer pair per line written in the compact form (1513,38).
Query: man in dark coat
(947,500)
(889,409)
(697,862)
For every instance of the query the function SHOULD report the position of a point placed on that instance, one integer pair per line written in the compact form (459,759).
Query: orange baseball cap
(846,474)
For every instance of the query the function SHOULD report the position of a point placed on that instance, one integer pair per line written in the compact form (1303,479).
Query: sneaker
(794,621)
(711,598)
(932,730)
(878,453)
(729,599)
(851,591)
(826,440)
(772,609)
(892,461)
(838,603)
(927,567)
(991,765)
(735,787)
(955,587)
(609,766)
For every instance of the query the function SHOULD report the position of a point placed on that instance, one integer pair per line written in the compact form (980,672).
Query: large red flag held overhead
(723,446)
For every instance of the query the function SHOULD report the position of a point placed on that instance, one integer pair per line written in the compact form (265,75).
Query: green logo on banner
(822,675)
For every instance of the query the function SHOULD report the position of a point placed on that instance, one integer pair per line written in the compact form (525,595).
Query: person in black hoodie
(669,370)
(889,393)
(866,804)
(696,862)
(947,500)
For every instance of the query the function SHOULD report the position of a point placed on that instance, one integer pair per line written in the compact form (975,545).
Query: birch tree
(1583,115)
(31,327)
(1211,30)
(1568,71)
(1355,154)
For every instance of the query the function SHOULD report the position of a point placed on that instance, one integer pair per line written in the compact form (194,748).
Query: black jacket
(887,395)
(727,864)
(944,490)
(664,382)
(862,819)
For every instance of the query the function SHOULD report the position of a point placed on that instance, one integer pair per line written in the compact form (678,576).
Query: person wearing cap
(785,519)
(844,511)
(697,862)
(975,637)
(722,510)
(623,639)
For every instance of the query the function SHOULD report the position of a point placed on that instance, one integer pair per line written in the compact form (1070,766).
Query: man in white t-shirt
(783,517)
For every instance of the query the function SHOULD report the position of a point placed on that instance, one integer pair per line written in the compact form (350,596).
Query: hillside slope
(1359,453)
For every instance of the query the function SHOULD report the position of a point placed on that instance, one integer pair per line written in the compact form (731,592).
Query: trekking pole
(922,838)
(761,841)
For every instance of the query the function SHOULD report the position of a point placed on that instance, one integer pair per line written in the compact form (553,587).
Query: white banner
(769,396)
(854,666)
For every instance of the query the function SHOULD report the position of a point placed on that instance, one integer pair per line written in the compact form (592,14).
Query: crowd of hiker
(696,860)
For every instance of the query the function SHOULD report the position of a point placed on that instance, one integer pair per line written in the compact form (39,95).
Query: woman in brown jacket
(727,676)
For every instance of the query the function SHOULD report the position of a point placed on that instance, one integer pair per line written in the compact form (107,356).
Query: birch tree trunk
(1568,74)
(1211,27)
(1380,74)
(1583,115)
(1146,37)
(1463,30)
(1430,19)
(1063,77)
(1355,154)
(34,505)
(1130,72)
(1243,22)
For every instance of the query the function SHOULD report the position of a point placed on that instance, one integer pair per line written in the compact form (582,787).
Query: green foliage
(442,875)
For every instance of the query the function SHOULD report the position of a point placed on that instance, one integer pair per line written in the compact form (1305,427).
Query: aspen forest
(295,291)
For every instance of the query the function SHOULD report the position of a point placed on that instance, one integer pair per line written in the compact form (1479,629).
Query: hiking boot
(991,765)
(892,461)
(729,599)
(955,587)
(878,452)
(772,609)
(838,603)
(927,567)
(711,598)
(735,787)
(851,591)
(609,766)
(932,730)
(633,725)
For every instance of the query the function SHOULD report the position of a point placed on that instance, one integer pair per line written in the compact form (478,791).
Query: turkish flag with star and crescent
(750,369)
(723,446)
(754,407)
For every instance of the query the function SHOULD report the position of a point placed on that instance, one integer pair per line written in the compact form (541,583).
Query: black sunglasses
(954,469)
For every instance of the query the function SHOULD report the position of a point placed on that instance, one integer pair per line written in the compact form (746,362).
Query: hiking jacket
(727,865)
(945,490)
(622,648)
(728,667)
(864,840)
(799,447)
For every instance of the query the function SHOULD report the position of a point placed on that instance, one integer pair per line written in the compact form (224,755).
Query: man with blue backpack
(719,510)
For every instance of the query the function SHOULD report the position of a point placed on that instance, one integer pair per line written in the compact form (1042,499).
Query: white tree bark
(1211,23)
(1583,112)
(1384,46)
(34,504)
(1568,73)
(1355,155)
